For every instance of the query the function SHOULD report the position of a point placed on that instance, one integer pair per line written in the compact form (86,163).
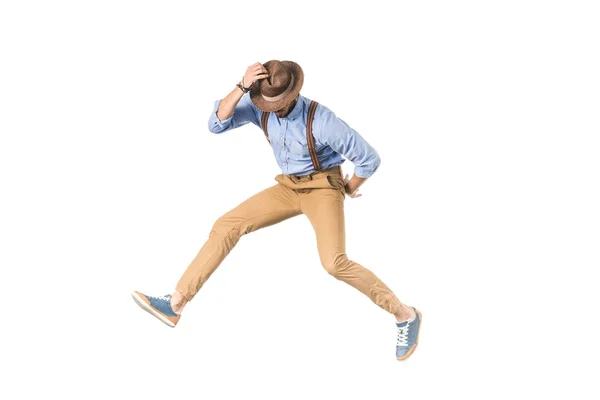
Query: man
(308,141)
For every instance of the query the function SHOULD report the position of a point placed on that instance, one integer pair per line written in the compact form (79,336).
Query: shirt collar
(297,110)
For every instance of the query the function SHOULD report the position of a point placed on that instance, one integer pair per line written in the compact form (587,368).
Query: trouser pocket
(337,182)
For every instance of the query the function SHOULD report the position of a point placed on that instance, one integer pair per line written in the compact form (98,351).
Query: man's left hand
(351,187)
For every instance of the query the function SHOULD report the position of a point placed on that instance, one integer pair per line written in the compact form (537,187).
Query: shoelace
(402,335)
(163,298)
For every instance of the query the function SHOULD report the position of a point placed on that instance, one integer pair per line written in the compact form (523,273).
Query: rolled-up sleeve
(244,113)
(343,139)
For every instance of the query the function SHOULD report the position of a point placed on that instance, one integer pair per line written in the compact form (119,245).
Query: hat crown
(278,80)
(281,87)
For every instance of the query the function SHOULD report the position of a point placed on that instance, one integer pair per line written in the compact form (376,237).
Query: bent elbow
(214,127)
(377,162)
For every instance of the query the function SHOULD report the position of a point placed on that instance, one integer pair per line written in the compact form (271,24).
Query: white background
(484,213)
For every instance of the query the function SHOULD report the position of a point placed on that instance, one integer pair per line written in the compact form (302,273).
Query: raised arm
(235,110)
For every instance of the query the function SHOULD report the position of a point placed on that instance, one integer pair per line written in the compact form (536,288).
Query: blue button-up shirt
(333,137)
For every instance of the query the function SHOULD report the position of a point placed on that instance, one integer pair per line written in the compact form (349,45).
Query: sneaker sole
(413,348)
(140,302)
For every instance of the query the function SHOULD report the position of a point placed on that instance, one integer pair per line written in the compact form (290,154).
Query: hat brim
(264,105)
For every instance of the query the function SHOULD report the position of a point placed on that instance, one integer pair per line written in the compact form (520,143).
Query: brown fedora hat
(280,88)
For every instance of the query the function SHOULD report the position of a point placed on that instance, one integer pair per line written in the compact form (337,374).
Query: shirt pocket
(298,148)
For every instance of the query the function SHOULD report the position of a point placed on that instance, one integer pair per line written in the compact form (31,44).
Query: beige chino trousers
(320,196)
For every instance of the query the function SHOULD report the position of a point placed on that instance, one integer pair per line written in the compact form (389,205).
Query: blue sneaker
(160,307)
(408,336)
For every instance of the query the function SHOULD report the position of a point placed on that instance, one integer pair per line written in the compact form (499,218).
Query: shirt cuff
(215,123)
(364,172)
(367,171)
(225,123)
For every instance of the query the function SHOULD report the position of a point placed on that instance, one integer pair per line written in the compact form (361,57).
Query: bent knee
(226,226)
(233,227)
(336,264)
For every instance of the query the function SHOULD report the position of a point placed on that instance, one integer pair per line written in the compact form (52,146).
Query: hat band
(283,94)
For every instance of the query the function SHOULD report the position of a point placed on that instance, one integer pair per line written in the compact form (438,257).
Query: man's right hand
(254,73)
(228,103)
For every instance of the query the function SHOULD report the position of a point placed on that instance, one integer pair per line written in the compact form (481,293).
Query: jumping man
(309,143)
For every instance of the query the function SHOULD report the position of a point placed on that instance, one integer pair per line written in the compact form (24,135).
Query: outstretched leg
(325,210)
(265,208)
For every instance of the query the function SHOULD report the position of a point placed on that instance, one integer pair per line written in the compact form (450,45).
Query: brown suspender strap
(310,139)
(264,120)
